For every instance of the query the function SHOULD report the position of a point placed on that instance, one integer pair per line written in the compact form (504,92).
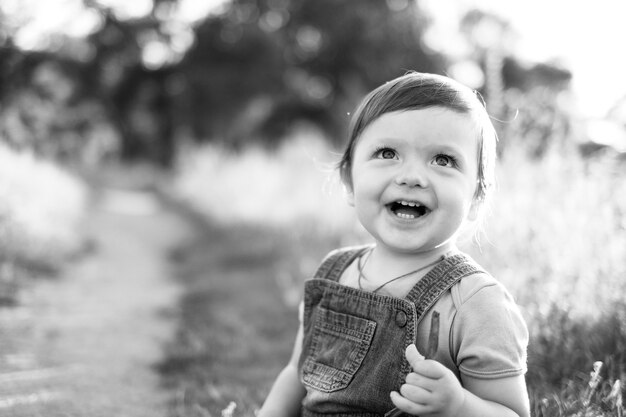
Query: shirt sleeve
(489,334)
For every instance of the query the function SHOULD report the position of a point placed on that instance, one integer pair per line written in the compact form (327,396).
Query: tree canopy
(248,72)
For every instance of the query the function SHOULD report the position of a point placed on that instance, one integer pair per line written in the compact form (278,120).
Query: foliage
(563,213)
(247,73)
(294,184)
(558,341)
(310,60)
(45,119)
(97,85)
(238,312)
(41,208)
(554,237)
(540,118)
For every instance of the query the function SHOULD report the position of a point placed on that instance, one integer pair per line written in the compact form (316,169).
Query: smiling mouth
(408,209)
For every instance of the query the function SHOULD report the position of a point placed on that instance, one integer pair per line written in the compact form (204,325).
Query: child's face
(414,175)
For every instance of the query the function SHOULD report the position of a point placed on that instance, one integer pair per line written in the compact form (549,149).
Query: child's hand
(430,389)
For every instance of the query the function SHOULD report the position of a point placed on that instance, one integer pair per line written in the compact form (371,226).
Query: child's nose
(412,175)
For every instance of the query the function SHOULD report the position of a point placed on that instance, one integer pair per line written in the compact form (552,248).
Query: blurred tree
(113,101)
(522,99)
(265,64)
(41,109)
(135,97)
(490,37)
(248,73)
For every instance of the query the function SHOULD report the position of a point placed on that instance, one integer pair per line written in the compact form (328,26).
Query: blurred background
(179,155)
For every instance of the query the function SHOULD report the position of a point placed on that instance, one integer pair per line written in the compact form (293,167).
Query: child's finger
(413,356)
(405,404)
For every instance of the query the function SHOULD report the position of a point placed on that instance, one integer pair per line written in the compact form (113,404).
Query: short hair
(415,91)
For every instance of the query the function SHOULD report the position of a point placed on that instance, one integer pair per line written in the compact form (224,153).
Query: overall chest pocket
(338,346)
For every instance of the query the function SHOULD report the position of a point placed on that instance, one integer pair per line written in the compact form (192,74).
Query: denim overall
(354,341)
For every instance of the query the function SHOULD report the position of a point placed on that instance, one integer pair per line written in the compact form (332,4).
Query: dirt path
(84,344)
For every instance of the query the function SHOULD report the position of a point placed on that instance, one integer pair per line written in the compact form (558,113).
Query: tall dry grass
(555,237)
(41,210)
(292,185)
(556,232)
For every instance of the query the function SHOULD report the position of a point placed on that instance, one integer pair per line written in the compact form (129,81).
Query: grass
(557,242)
(41,209)
(563,354)
(237,321)
(566,214)
(555,238)
(292,185)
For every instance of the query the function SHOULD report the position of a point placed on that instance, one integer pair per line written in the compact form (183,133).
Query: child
(417,169)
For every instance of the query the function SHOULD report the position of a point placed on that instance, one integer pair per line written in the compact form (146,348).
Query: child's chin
(407,248)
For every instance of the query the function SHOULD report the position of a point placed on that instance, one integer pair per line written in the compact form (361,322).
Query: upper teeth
(409,203)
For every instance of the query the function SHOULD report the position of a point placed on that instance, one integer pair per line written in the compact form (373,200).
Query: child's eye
(385,153)
(445,161)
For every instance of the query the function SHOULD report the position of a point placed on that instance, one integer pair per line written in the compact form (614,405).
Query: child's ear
(349,194)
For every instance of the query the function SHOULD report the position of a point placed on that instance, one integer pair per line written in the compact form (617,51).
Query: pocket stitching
(327,378)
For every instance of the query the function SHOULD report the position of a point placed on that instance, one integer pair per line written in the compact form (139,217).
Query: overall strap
(336,262)
(439,280)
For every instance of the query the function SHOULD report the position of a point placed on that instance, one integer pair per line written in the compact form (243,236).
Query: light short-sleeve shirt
(482,331)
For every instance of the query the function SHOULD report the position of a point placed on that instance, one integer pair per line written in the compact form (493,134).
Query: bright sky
(587,36)
(582,35)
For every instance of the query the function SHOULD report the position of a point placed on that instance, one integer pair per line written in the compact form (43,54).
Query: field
(219,114)
(41,210)
(555,237)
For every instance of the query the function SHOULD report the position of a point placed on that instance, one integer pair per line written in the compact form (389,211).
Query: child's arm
(284,399)
(434,390)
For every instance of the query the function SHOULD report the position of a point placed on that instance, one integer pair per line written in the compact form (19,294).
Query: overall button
(401,318)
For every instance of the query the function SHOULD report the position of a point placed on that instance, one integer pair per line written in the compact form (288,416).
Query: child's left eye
(444,161)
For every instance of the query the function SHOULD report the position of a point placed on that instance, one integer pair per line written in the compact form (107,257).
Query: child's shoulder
(479,285)
(472,284)
(481,289)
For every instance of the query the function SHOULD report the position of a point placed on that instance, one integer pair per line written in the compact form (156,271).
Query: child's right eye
(385,153)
